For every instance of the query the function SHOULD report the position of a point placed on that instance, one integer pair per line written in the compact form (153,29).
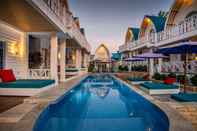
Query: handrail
(179,30)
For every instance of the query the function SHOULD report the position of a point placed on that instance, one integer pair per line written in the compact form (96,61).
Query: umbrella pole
(185,73)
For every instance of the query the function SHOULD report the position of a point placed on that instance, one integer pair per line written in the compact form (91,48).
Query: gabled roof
(116,56)
(158,21)
(135,32)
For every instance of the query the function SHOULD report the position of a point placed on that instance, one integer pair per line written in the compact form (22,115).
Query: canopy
(181,48)
(134,59)
(150,55)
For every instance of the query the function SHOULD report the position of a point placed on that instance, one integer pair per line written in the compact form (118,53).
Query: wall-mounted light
(196,57)
(59,56)
(14,48)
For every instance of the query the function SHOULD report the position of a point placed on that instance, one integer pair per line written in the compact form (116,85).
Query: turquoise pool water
(102,103)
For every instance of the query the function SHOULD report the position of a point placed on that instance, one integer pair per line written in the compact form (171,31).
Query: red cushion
(7,75)
(169,80)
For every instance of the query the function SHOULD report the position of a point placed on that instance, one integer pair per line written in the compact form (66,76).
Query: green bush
(158,76)
(123,68)
(194,80)
(91,68)
(172,75)
(139,68)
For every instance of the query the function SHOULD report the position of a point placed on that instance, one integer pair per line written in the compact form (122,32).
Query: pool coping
(176,120)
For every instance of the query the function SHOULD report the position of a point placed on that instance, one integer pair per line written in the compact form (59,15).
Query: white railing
(183,30)
(39,74)
(178,67)
(59,9)
(79,37)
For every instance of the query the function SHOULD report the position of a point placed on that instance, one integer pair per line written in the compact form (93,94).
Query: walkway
(23,116)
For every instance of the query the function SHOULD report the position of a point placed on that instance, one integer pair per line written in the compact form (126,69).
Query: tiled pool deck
(23,116)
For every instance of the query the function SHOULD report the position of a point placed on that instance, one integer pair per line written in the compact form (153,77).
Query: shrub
(91,68)
(172,75)
(159,76)
(181,78)
(194,80)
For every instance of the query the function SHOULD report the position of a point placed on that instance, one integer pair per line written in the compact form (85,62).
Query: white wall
(16,55)
(184,11)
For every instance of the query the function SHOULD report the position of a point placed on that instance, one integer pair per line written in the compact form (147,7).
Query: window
(2,54)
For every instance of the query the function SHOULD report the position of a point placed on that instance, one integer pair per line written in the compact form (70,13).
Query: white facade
(180,25)
(52,17)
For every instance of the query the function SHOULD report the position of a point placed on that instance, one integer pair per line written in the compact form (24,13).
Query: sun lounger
(159,88)
(185,97)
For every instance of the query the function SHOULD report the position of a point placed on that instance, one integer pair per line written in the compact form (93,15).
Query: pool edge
(176,121)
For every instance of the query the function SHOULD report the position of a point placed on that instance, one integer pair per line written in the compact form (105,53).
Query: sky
(106,21)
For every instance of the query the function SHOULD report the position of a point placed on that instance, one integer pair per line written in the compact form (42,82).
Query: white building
(45,27)
(158,31)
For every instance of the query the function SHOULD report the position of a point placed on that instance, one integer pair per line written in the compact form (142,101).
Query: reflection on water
(101,103)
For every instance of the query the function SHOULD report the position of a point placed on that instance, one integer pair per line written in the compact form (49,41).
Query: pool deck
(23,116)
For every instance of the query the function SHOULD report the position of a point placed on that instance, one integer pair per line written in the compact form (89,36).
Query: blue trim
(158,21)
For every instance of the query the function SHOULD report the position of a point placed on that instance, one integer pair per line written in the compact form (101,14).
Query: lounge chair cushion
(27,84)
(185,97)
(152,85)
(7,75)
(169,80)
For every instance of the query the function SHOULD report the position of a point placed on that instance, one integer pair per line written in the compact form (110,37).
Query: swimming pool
(102,103)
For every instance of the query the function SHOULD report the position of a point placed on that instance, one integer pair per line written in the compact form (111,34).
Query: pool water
(102,103)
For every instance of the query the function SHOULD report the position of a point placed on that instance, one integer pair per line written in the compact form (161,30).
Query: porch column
(78,58)
(54,56)
(151,67)
(62,60)
(160,62)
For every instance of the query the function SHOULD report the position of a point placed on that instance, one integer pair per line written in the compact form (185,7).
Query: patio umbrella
(185,48)
(150,55)
(132,59)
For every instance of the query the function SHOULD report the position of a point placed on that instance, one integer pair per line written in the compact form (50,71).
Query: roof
(135,32)
(158,21)
(116,56)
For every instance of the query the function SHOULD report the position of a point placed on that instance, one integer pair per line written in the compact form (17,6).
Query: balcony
(183,31)
(75,33)
(56,11)
(143,42)
(178,67)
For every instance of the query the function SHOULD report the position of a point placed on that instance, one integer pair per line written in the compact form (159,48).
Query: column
(160,62)
(62,60)
(151,67)
(78,58)
(54,56)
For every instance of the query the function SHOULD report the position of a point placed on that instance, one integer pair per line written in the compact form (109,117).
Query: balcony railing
(79,37)
(39,74)
(60,10)
(183,30)
(178,67)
